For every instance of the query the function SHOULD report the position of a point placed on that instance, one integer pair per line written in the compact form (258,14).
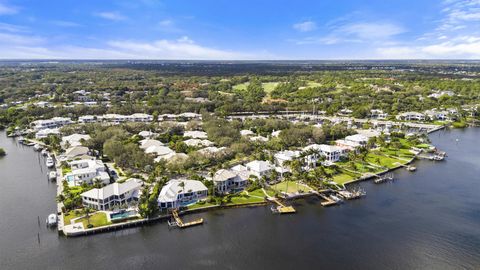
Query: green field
(268,87)
(290,187)
(342,178)
(383,160)
(97,220)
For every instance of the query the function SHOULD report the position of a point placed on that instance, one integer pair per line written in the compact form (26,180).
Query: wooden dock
(179,222)
(281,208)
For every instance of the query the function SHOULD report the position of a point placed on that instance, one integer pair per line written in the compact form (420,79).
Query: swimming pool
(122,215)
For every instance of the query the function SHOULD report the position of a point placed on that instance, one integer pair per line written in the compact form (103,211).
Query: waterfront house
(181,192)
(74,140)
(260,168)
(55,122)
(227,181)
(114,194)
(87,171)
(331,153)
(44,133)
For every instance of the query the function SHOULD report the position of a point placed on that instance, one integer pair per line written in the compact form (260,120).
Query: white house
(114,194)
(226,181)
(44,133)
(162,152)
(284,156)
(75,152)
(194,134)
(180,192)
(74,140)
(140,117)
(246,132)
(114,118)
(331,153)
(258,139)
(54,122)
(378,114)
(416,116)
(359,139)
(87,119)
(198,142)
(146,143)
(260,168)
(211,150)
(146,134)
(87,171)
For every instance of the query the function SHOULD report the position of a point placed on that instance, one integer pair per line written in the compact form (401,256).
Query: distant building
(409,116)
(44,133)
(195,134)
(55,122)
(87,171)
(74,140)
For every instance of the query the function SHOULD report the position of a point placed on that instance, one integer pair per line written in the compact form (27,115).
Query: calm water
(429,219)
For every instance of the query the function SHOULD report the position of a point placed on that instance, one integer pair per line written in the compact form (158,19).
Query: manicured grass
(66,170)
(258,193)
(200,205)
(268,87)
(243,198)
(383,160)
(67,217)
(290,187)
(96,219)
(342,178)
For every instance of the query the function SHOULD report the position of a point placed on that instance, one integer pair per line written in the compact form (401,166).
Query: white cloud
(111,15)
(356,32)
(465,47)
(7,10)
(12,28)
(23,47)
(305,26)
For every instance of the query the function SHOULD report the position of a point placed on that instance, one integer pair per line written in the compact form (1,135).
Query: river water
(429,219)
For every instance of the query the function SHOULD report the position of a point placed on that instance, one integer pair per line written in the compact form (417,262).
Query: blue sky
(247,29)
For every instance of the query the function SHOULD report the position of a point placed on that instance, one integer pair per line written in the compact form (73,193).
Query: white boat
(335,198)
(50,162)
(44,152)
(52,175)
(51,220)
(21,140)
(37,147)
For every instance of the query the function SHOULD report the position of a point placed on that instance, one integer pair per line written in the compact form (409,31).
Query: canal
(429,219)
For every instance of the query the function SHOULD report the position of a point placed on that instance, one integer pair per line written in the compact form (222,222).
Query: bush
(2,152)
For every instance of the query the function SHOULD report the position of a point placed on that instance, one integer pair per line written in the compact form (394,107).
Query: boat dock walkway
(179,222)
(281,208)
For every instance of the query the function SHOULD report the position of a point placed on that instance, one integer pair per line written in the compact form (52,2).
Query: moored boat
(37,147)
(51,220)
(50,162)
(52,175)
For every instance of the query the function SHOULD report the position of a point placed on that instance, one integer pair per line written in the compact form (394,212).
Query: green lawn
(71,215)
(243,198)
(290,187)
(268,87)
(200,205)
(342,178)
(258,193)
(383,160)
(96,219)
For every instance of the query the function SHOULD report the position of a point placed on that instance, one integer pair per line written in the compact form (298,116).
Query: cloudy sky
(247,29)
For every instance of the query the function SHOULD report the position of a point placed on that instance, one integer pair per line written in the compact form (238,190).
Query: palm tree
(86,212)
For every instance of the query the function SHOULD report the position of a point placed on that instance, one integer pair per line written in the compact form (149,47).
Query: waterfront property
(87,171)
(227,181)
(180,192)
(285,156)
(54,122)
(331,153)
(409,116)
(111,195)
(259,168)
